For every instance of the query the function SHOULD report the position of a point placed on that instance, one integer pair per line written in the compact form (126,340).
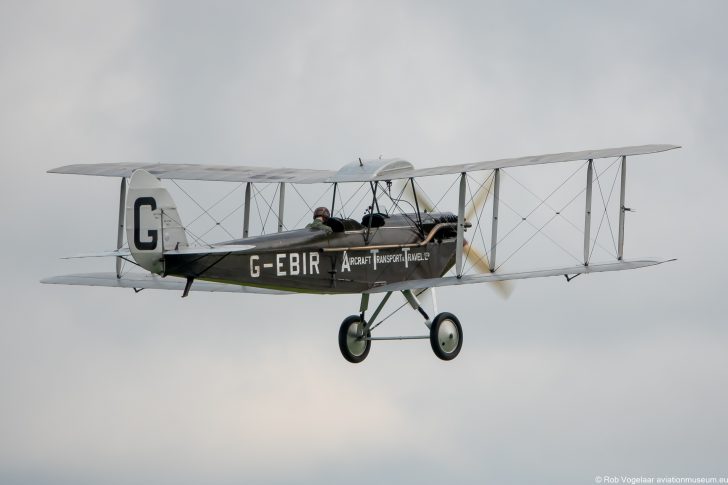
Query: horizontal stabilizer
(101,254)
(521,275)
(228,248)
(152,281)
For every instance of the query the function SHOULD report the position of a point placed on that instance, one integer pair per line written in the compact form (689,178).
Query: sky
(619,374)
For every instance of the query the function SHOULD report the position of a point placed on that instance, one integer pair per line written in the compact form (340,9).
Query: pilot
(320,216)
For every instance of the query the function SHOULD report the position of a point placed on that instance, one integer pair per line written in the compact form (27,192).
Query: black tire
(354,350)
(446,336)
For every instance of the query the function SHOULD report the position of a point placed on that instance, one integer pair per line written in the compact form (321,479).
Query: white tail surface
(152,222)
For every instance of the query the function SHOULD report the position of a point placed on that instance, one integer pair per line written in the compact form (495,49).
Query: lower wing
(140,281)
(522,275)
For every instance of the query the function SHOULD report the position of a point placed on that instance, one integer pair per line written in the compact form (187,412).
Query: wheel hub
(356,344)
(447,336)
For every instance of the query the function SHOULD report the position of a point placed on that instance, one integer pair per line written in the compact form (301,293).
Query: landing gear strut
(355,338)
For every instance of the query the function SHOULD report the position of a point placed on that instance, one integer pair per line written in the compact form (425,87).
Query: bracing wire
(202,208)
(605,213)
(540,229)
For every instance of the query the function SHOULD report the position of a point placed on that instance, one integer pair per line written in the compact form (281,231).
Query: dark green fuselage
(351,258)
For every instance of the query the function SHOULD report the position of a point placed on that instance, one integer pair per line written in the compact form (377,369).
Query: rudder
(152,222)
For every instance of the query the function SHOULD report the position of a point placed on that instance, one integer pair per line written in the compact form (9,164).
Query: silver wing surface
(391,169)
(188,171)
(489,278)
(543,159)
(151,281)
(358,171)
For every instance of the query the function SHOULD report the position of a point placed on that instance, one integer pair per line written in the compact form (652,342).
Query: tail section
(152,222)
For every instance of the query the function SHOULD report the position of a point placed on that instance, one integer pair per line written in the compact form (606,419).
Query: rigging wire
(226,217)
(215,204)
(578,229)
(539,205)
(270,208)
(351,197)
(448,190)
(478,225)
(293,186)
(397,200)
(605,213)
(539,230)
(200,206)
(257,207)
(396,310)
(315,203)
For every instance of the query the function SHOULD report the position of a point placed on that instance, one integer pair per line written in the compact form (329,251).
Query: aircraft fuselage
(316,261)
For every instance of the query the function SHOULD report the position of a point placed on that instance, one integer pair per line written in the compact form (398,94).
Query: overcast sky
(612,374)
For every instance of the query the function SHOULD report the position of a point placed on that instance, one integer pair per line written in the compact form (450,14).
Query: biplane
(401,243)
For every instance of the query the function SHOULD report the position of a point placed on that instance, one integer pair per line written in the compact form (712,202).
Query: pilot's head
(322,214)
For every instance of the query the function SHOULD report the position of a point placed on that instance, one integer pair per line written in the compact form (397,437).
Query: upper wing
(358,171)
(186,171)
(391,169)
(489,278)
(151,281)
(542,159)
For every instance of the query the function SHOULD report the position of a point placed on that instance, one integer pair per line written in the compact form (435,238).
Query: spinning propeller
(475,256)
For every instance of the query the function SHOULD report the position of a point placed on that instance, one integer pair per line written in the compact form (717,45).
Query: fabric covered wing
(524,161)
(151,281)
(396,169)
(184,171)
(489,278)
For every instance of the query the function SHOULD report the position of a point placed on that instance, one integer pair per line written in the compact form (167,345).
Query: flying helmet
(322,212)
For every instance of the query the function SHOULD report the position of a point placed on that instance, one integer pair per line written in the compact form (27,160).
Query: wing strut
(461,226)
(333,199)
(587,212)
(622,209)
(120,228)
(417,209)
(246,210)
(281,204)
(494,233)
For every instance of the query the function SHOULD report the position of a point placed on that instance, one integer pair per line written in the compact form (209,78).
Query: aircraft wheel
(446,336)
(353,349)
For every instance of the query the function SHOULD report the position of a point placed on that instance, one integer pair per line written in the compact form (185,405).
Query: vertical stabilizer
(152,222)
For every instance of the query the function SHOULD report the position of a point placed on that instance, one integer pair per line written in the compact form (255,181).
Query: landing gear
(446,336)
(353,342)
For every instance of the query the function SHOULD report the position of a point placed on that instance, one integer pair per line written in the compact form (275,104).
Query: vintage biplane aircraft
(401,244)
